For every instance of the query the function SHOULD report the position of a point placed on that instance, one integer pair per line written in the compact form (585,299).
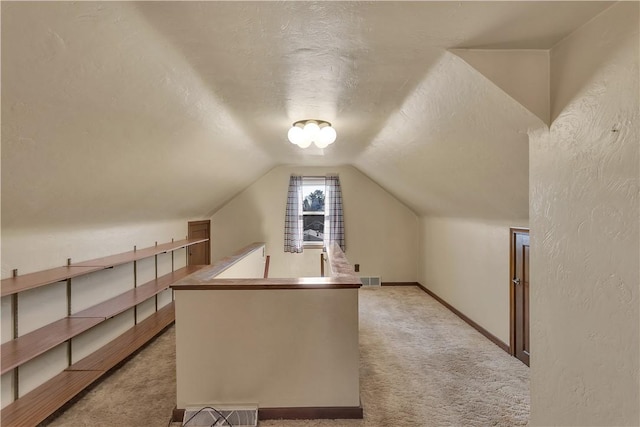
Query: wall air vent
(207,416)
(370,281)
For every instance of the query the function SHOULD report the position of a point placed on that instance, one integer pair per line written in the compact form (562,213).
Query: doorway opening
(519,294)
(199,254)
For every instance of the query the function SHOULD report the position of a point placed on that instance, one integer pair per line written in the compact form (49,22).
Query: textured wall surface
(380,231)
(116,115)
(250,266)
(103,122)
(466,263)
(584,223)
(287,348)
(137,111)
(469,156)
(521,73)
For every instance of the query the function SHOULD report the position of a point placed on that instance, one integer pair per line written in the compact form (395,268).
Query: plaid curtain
(334,221)
(293,216)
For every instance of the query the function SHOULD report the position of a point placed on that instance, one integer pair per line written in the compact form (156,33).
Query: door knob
(516,281)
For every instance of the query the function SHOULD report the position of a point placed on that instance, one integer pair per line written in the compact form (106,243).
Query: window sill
(313,246)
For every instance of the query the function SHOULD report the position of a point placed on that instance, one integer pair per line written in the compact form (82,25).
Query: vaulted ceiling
(127,111)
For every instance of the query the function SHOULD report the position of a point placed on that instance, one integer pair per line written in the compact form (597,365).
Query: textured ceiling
(116,111)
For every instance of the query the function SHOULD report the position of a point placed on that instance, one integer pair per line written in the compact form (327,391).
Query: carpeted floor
(420,365)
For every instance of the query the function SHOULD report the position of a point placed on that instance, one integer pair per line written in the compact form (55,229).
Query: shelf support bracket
(14,310)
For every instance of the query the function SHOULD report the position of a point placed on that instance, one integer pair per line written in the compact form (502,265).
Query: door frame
(201,222)
(512,296)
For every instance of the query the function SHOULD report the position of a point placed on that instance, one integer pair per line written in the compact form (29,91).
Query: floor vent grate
(370,281)
(199,416)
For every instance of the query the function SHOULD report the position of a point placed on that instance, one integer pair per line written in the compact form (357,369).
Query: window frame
(314,181)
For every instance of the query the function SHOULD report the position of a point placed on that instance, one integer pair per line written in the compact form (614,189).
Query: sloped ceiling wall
(457,147)
(122,111)
(102,122)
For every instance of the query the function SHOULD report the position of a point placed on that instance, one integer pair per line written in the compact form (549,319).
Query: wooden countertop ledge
(344,276)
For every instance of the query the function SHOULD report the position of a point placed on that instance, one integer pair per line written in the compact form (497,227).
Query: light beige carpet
(420,366)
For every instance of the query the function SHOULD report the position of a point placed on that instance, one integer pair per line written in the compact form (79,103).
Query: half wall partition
(288,346)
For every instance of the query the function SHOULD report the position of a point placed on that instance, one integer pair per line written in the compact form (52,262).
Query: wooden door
(520,294)
(199,254)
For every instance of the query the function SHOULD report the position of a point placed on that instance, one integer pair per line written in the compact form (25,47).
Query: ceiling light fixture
(305,132)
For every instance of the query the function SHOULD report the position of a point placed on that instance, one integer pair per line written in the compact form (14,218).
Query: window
(313,215)
(313,211)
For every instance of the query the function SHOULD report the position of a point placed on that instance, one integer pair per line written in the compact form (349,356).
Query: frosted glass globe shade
(327,135)
(311,130)
(321,144)
(304,143)
(296,135)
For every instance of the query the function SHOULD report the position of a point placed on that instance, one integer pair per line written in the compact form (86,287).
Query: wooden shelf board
(126,344)
(35,406)
(125,257)
(13,285)
(22,349)
(129,299)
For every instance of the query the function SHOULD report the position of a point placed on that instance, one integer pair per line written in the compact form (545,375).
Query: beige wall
(584,221)
(274,348)
(522,73)
(466,263)
(264,356)
(250,266)
(31,250)
(380,231)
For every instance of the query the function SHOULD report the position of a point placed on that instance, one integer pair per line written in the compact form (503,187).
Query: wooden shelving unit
(14,285)
(22,349)
(114,306)
(119,349)
(19,284)
(38,404)
(125,257)
(29,346)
